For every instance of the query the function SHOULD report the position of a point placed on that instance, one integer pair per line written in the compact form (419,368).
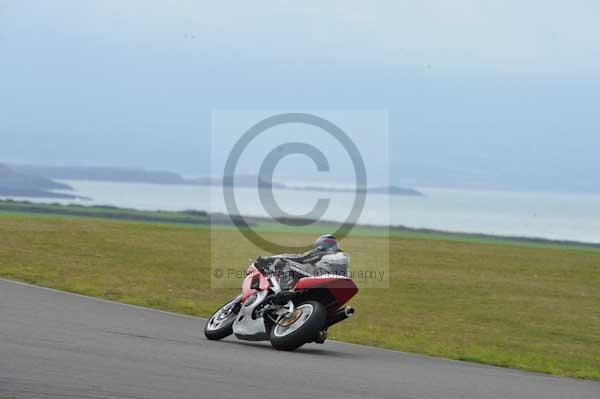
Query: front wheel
(299,328)
(220,325)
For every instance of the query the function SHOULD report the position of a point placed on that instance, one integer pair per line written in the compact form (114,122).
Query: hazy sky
(479,93)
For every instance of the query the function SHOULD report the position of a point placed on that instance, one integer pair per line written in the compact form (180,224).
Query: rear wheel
(220,325)
(299,328)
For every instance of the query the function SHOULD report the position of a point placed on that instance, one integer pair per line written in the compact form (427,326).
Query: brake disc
(291,319)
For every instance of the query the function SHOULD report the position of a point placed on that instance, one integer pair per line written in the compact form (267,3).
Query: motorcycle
(288,319)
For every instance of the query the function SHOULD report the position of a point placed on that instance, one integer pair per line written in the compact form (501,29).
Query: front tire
(220,324)
(302,330)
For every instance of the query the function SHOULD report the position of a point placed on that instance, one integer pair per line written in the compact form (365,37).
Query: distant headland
(42,178)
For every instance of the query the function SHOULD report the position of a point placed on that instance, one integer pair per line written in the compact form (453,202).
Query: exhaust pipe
(340,315)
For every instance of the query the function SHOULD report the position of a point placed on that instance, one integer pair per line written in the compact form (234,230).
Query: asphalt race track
(58,345)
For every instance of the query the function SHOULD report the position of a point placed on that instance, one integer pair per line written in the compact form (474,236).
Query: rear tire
(220,324)
(302,331)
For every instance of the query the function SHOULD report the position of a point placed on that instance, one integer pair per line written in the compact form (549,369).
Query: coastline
(220,220)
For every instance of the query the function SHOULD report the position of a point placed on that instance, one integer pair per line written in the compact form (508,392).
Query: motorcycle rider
(326,257)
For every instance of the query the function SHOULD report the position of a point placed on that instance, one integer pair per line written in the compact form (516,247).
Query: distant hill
(254,181)
(390,190)
(19,184)
(395,190)
(164,177)
(129,175)
(240,181)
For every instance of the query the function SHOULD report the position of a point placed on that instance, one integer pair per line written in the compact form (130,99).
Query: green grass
(201,219)
(105,212)
(405,232)
(527,307)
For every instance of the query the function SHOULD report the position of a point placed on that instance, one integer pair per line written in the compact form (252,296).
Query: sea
(572,217)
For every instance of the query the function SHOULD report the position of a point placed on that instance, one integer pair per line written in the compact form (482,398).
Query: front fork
(231,305)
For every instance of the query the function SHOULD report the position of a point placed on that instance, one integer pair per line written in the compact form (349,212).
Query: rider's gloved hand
(263,261)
